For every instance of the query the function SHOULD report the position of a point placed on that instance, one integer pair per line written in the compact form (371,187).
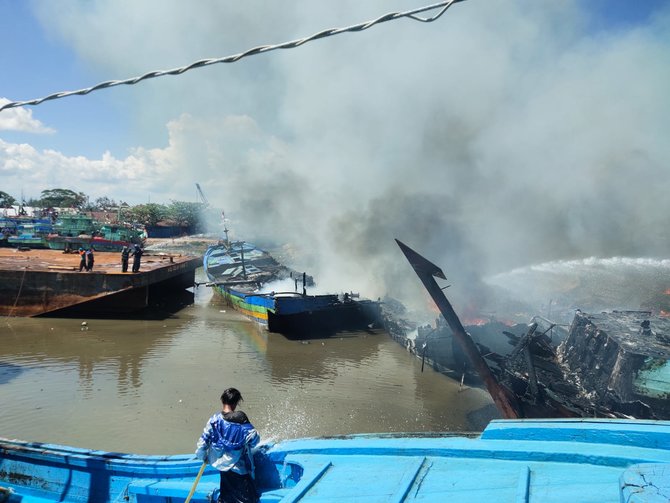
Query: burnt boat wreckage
(612,364)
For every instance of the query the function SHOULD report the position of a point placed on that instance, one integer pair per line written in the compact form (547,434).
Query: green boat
(33,235)
(113,238)
(72,232)
(28,239)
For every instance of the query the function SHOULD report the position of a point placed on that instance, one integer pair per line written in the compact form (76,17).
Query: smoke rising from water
(506,133)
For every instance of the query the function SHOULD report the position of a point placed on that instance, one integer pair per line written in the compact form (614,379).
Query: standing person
(125,253)
(137,256)
(90,259)
(226,444)
(82,259)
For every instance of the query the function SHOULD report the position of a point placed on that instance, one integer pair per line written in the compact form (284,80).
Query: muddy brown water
(148,385)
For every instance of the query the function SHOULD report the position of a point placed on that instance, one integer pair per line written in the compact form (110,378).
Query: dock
(48,282)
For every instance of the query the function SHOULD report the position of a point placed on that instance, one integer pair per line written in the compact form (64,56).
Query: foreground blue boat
(517,461)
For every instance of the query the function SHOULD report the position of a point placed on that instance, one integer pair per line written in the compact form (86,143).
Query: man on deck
(125,253)
(90,259)
(82,259)
(137,256)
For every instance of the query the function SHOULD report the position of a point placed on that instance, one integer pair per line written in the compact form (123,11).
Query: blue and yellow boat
(239,271)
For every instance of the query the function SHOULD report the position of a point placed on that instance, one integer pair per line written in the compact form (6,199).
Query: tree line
(181,213)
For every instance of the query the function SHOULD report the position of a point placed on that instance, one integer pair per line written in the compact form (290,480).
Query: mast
(225,227)
(244,269)
(507,404)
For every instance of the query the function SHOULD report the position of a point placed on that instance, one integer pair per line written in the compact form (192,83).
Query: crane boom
(201,194)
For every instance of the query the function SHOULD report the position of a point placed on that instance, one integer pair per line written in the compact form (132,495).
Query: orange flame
(475,322)
(667,291)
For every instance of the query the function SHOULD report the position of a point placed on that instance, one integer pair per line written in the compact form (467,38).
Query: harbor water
(149,385)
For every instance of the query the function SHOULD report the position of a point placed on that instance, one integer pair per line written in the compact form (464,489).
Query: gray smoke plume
(506,133)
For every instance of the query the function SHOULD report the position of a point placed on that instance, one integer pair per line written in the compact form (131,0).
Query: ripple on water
(148,386)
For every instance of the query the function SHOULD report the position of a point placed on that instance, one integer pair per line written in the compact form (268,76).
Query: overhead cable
(411,14)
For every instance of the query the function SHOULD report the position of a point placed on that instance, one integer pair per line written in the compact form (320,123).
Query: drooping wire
(411,14)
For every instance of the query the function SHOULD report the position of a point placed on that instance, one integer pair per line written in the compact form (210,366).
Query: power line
(410,14)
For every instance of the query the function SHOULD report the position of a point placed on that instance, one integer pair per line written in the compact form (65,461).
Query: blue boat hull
(303,316)
(320,315)
(237,270)
(517,461)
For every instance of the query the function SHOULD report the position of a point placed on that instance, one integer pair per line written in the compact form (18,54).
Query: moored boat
(518,461)
(298,314)
(71,232)
(32,233)
(113,238)
(28,239)
(240,272)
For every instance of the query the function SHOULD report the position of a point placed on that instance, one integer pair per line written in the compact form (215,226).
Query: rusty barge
(48,282)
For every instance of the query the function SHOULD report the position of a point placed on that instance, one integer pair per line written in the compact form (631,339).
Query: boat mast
(244,269)
(225,227)
(506,402)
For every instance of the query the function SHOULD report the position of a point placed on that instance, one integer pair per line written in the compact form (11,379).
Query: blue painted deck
(511,461)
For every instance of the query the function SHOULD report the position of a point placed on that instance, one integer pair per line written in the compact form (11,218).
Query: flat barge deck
(48,282)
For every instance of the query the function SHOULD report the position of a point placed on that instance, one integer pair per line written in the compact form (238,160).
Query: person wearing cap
(82,259)
(137,256)
(226,444)
(125,253)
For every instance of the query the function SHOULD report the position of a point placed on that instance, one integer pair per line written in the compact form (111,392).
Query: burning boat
(613,364)
(622,359)
(240,272)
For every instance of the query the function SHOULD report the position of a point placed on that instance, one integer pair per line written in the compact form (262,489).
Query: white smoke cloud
(505,133)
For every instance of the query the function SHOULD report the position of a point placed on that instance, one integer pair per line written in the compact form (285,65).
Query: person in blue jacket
(226,444)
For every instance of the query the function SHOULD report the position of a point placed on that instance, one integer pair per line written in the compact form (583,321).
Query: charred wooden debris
(611,364)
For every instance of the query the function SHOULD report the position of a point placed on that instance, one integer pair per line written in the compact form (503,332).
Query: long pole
(507,404)
(244,269)
(195,483)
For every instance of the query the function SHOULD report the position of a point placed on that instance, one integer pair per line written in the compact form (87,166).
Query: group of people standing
(137,257)
(87,259)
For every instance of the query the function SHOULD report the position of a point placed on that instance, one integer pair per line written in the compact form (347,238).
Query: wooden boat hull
(255,307)
(551,461)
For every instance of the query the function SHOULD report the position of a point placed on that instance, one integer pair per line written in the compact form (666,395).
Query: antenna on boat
(225,227)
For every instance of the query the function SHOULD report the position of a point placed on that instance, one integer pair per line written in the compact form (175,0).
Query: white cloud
(197,149)
(21,119)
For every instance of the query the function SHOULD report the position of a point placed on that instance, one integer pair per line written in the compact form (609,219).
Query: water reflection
(99,347)
(8,372)
(148,386)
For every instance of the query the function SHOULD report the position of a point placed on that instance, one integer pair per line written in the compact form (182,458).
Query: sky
(506,133)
